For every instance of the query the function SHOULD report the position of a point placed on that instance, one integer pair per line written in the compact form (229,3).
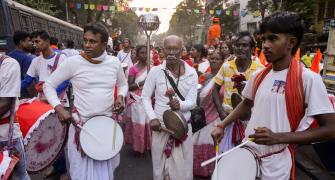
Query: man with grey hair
(172,159)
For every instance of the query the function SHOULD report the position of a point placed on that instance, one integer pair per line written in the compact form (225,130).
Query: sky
(163,14)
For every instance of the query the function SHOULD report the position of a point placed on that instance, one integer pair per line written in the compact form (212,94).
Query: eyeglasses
(172,50)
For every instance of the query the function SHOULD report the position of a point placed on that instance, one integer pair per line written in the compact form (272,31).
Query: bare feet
(64,177)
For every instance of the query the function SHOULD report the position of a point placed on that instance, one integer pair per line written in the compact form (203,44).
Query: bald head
(173,46)
(173,39)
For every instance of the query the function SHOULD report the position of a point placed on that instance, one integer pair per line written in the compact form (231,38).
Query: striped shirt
(226,72)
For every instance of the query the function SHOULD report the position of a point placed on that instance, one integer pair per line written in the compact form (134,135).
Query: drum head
(45,143)
(97,137)
(175,122)
(239,164)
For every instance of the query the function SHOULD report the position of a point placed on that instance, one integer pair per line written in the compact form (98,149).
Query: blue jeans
(20,171)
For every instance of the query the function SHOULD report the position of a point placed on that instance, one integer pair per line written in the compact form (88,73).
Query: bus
(15,16)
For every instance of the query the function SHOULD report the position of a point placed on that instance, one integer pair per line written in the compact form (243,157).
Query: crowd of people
(222,90)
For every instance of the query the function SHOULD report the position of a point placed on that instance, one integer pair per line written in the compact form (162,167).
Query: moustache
(172,57)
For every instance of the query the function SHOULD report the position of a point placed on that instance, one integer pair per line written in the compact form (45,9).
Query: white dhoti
(179,166)
(86,168)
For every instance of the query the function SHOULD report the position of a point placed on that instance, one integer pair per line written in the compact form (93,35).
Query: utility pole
(66,11)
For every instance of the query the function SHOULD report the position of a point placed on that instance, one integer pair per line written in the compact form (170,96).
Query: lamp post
(149,23)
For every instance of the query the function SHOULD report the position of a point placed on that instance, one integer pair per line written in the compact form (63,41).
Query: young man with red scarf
(285,98)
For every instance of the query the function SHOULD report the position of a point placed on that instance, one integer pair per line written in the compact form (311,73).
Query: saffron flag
(316,62)
(256,51)
(262,58)
(297,54)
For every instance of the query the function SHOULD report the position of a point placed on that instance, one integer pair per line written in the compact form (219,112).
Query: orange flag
(262,58)
(297,54)
(316,61)
(256,51)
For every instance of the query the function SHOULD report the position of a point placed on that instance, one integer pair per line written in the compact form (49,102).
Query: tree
(48,7)
(260,5)
(184,21)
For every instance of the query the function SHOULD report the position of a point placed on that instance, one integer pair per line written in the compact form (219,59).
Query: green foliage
(46,6)
(260,5)
(306,8)
(183,22)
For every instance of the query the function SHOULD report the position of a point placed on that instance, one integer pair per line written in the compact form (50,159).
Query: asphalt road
(139,167)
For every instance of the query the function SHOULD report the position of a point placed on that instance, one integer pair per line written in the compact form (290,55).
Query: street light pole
(149,23)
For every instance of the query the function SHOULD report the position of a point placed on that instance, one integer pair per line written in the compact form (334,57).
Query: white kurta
(93,88)
(9,87)
(270,111)
(180,164)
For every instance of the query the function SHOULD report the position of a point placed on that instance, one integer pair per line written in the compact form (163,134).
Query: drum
(240,164)
(44,136)
(101,138)
(176,122)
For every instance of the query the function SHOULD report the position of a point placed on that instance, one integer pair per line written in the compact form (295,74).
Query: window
(252,27)
(26,23)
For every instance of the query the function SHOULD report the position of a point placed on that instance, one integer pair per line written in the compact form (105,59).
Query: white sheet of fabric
(93,88)
(179,165)
(41,68)
(10,84)
(270,111)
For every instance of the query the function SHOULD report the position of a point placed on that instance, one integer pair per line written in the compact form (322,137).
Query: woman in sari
(226,52)
(202,140)
(137,131)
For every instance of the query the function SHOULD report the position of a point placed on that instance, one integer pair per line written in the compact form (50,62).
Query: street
(139,167)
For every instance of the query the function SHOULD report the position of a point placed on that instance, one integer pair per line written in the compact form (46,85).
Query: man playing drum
(42,66)
(9,92)
(172,159)
(285,98)
(93,75)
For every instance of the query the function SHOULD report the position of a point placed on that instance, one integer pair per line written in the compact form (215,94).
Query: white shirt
(70,52)
(41,68)
(10,84)
(155,84)
(203,66)
(270,111)
(93,84)
(125,58)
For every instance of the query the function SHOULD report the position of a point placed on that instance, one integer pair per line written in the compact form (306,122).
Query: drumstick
(225,153)
(216,161)
(114,134)
(168,131)
(87,132)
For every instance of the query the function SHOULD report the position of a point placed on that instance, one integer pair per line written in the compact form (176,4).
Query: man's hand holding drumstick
(64,116)
(265,136)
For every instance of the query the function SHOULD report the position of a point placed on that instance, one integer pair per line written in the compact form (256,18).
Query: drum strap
(77,132)
(174,85)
